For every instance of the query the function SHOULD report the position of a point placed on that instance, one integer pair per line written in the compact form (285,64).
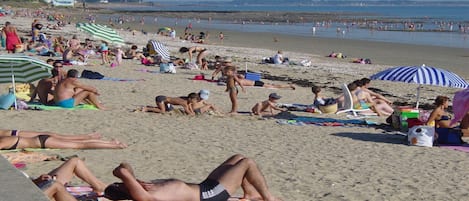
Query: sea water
(446,26)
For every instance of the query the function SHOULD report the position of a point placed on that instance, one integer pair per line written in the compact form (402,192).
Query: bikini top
(444,118)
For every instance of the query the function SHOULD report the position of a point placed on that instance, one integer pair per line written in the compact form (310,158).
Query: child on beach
(119,56)
(198,103)
(165,104)
(231,80)
(260,109)
(104,53)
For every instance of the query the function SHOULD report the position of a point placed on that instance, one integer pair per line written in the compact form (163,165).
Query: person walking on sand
(267,107)
(236,172)
(11,37)
(231,80)
(53,183)
(70,92)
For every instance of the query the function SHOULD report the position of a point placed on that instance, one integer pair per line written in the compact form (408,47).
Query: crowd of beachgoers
(179,87)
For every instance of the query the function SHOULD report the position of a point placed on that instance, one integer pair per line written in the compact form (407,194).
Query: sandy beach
(299,162)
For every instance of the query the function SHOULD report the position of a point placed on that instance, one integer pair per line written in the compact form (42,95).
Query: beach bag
(448,136)
(421,136)
(91,75)
(167,68)
(7,100)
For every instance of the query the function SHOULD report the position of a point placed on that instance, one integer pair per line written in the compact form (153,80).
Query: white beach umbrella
(161,49)
(101,32)
(422,75)
(24,69)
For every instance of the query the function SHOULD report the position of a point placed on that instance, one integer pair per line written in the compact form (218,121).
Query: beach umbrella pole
(418,96)
(14,86)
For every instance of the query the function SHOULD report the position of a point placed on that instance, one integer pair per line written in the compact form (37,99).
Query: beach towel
(301,121)
(38,106)
(20,157)
(464,147)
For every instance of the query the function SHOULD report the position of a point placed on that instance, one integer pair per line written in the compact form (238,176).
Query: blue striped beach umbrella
(161,49)
(422,75)
(24,69)
(101,32)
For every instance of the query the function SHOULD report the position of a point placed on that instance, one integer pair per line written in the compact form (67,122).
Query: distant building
(64,3)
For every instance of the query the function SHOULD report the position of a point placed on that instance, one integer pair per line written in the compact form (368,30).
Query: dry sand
(299,162)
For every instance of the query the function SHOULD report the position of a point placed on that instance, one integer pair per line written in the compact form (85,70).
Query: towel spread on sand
(464,148)
(301,121)
(39,106)
(82,193)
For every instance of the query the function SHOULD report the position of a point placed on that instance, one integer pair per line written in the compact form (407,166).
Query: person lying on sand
(246,82)
(165,104)
(267,107)
(49,141)
(30,134)
(53,183)
(237,171)
(70,92)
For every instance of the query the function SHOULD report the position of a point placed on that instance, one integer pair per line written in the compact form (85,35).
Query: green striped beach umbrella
(24,69)
(101,32)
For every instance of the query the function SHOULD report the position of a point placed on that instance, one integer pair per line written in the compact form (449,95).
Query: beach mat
(36,106)
(464,148)
(317,121)
(83,193)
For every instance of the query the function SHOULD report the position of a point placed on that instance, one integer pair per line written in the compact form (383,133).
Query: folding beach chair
(348,104)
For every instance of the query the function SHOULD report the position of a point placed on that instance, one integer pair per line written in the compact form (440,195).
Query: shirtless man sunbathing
(237,171)
(70,92)
(246,82)
(45,87)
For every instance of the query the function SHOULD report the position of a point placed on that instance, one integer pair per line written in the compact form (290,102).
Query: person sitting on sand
(201,50)
(237,171)
(71,56)
(439,117)
(74,43)
(246,82)
(53,183)
(165,104)
(67,96)
(267,107)
(48,141)
(279,59)
(380,106)
(197,102)
(365,84)
(21,133)
(45,88)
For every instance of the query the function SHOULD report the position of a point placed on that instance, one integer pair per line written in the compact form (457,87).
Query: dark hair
(72,73)
(365,80)
(193,96)
(352,86)
(7,23)
(315,89)
(134,47)
(50,60)
(440,100)
(183,49)
(55,62)
(359,83)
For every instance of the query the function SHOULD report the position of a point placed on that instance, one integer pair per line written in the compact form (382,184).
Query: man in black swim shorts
(237,171)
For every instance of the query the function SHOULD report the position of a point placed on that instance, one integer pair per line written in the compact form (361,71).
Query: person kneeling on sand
(260,109)
(53,183)
(165,104)
(198,104)
(237,171)
(70,92)
(246,82)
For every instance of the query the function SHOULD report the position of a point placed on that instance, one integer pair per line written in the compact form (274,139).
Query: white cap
(203,94)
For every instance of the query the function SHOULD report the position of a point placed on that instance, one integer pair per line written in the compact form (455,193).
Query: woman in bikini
(439,117)
(50,141)
(202,53)
(30,134)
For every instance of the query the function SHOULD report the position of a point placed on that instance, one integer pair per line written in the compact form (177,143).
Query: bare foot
(123,168)
(292,87)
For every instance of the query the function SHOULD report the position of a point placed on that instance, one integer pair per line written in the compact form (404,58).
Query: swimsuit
(444,118)
(42,140)
(197,111)
(160,99)
(258,83)
(212,190)
(67,103)
(14,146)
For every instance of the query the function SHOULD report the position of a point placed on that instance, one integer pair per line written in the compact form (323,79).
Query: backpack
(91,75)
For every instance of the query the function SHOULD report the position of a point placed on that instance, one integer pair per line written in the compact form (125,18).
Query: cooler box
(252,76)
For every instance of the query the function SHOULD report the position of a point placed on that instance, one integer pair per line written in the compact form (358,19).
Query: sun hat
(203,94)
(274,96)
